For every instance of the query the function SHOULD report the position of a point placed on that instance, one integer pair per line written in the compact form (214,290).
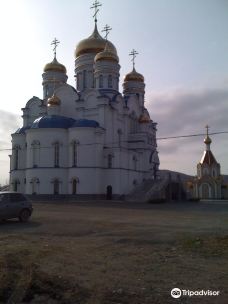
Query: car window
(4,198)
(17,197)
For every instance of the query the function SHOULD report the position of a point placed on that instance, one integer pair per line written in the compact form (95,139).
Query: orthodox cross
(107,29)
(55,42)
(133,54)
(207,127)
(95,6)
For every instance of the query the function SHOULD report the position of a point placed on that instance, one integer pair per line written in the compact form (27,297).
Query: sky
(183,55)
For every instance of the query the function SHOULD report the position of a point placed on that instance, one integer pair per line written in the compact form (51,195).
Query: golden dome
(134,76)
(93,44)
(207,140)
(55,66)
(53,100)
(107,54)
(144,118)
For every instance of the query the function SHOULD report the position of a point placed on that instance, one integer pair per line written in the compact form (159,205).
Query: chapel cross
(107,29)
(95,6)
(55,42)
(133,54)
(207,127)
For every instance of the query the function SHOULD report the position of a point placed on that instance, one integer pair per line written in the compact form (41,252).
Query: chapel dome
(107,54)
(134,76)
(53,101)
(55,66)
(207,140)
(144,118)
(93,44)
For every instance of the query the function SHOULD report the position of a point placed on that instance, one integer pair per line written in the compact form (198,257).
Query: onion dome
(55,66)
(107,54)
(144,118)
(53,101)
(93,44)
(134,76)
(207,140)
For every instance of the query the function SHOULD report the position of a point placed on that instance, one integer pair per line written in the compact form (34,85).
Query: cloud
(9,123)
(183,112)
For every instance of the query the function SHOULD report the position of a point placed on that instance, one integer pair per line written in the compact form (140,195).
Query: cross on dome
(133,53)
(55,42)
(207,127)
(95,6)
(107,29)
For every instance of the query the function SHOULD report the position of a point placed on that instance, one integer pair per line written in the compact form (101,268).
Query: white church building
(91,139)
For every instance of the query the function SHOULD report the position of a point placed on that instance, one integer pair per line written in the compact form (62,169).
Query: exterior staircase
(149,189)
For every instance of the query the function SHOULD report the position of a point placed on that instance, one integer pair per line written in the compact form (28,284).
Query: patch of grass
(207,246)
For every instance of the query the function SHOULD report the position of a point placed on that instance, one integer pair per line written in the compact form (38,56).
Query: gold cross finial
(95,6)
(55,42)
(107,29)
(207,127)
(133,53)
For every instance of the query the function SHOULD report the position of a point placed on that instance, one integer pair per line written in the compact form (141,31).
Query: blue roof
(56,121)
(53,121)
(85,123)
(22,130)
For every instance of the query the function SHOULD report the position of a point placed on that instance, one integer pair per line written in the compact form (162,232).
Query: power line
(112,143)
(191,135)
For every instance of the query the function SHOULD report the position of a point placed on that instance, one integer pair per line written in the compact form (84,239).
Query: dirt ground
(115,253)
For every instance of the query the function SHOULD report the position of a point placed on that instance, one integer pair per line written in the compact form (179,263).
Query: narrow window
(119,136)
(84,80)
(16,158)
(135,162)
(74,154)
(109,81)
(109,161)
(35,153)
(74,186)
(101,81)
(56,186)
(56,154)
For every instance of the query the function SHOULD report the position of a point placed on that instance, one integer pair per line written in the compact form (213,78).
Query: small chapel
(208,182)
(91,138)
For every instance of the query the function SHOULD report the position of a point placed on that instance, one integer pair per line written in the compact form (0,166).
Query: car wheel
(24,215)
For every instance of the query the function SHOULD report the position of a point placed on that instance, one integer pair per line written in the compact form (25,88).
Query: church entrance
(56,186)
(205,191)
(74,186)
(109,192)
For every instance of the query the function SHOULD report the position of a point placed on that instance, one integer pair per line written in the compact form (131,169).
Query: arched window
(74,154)
(135,162)
(16,157)
(84,80)
(34,185)
(133,123)
(35,153)
(109,81)
(15,184)
(119,131)
(110,161)
(46,91)
(74,185)
(56,154)
(101,82)
(56,186)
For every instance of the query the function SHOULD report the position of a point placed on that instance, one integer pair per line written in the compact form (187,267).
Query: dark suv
(14,205)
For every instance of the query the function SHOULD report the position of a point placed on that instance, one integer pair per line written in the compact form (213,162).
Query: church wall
(47,138)
(46,177)
(68,99)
